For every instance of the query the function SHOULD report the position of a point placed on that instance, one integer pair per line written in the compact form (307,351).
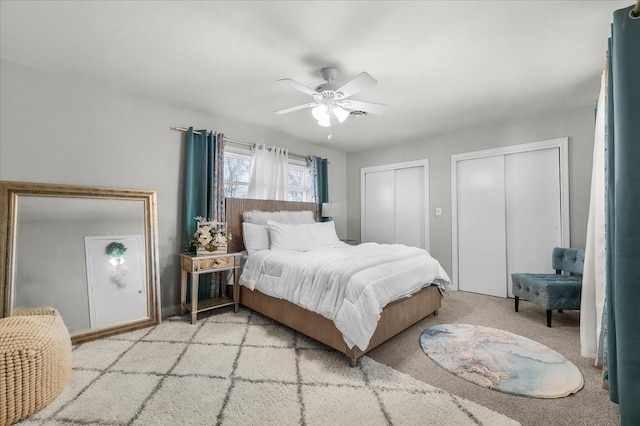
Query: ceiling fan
(330,104)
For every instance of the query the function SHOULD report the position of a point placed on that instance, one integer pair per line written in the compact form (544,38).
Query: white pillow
(302,237)
(261,218)
(324,234)
(256,237)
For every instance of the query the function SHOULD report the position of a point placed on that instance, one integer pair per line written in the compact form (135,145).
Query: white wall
(57,130)
(577,124)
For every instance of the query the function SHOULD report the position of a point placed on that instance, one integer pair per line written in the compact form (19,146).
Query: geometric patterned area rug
(501,361)
(242,369)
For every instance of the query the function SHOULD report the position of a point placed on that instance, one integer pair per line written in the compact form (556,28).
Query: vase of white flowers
(210,236)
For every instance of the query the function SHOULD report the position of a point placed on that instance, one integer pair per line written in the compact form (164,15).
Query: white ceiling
(440,65)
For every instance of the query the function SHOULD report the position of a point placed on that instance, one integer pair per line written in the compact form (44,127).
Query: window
(237,170)
(299,188)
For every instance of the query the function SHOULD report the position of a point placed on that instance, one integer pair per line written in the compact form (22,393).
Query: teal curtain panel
(203,188)
(318,171)
(322,183)
(623,211)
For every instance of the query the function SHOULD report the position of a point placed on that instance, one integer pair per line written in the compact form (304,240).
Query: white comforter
(347,284)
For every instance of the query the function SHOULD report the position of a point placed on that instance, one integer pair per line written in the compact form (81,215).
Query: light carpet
(242,369)
(502,361)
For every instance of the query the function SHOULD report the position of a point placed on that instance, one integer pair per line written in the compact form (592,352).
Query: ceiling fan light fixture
(341,113)
(327,116)
(319,112)
(325,121)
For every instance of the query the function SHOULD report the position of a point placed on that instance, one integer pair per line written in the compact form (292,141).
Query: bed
(394,318)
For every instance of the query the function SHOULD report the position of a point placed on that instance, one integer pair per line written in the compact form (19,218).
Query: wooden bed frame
(395,317)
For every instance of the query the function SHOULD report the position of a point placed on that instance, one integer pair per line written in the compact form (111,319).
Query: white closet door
(379,207)
(409,207)
(481,226)
(533,210)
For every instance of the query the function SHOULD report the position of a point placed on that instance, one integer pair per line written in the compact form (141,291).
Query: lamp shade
(327,116)
(340,113)
(330,210)
(319,112)
(325,121)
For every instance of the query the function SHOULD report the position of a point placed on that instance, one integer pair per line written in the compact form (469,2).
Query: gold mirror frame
(10,192)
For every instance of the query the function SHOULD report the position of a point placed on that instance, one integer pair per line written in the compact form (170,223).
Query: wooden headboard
(234,207)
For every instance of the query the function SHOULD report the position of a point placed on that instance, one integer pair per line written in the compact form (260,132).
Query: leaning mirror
(91,253)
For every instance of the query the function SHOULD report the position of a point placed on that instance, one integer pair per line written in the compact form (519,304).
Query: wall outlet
(438,211)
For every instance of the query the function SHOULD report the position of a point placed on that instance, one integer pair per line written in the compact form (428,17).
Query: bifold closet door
(509,218)
(481,226)
(534,227)
(409,207)
(379,211)
(395,206)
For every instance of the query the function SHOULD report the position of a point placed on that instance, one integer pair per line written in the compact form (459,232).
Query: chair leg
(548,318)
(517,302)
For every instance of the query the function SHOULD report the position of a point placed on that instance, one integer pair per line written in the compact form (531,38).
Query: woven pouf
(35,362)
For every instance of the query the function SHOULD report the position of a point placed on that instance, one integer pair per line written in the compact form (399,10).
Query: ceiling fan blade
(296,108)
(298,86)
(356,84)
(368,107)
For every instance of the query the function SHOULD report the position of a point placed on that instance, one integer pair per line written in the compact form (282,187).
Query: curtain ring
(632,15)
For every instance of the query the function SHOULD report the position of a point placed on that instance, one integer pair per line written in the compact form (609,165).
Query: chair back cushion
(568,260)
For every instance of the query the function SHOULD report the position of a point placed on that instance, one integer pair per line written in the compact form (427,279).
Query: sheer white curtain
(269,173)
(593,280)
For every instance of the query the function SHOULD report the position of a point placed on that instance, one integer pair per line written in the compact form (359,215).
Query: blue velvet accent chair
(553,291)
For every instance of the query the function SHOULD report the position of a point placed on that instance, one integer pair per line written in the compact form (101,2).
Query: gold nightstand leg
(194,297)
(183,291)
(236,285)
(236,290)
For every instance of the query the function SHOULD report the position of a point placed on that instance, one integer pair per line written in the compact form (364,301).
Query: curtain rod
(237,142)
(635,13)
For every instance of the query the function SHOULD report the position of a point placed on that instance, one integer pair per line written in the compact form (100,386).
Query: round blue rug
(501,361)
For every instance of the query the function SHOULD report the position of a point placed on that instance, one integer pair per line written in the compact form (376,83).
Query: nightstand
(196,264)
(351,242)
